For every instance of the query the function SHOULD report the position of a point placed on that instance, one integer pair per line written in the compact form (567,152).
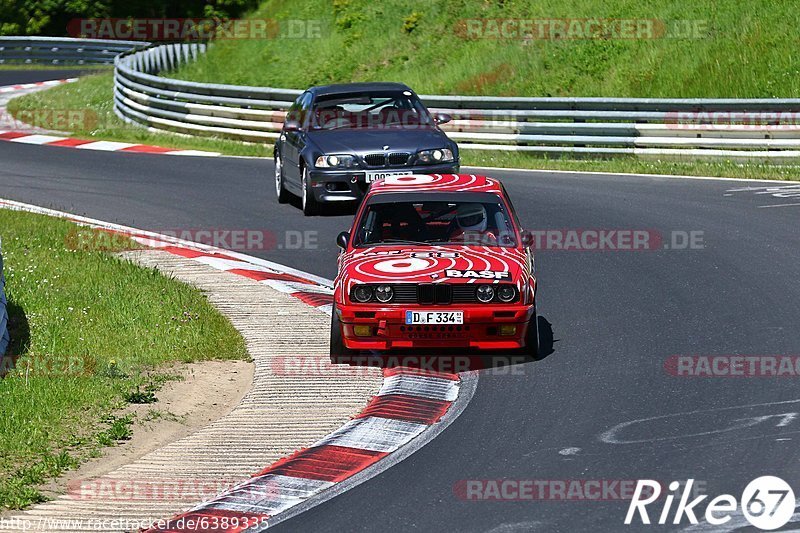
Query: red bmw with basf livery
(434,261)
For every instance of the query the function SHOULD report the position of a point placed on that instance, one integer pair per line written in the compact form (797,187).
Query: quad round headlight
(362,293)
(485,293)
(437,155)
(333,160)
(506,293)
(384,293)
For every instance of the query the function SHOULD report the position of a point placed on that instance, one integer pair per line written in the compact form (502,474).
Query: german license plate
(374,176)
(434,317)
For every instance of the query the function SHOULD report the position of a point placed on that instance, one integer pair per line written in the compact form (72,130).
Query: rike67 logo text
(767,503)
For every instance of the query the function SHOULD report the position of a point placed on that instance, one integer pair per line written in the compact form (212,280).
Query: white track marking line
(36,139)
(777,205)
(193,153)
(763,190)
(228,264)
(106,146)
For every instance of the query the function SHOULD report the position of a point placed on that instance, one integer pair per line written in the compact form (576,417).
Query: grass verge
(90,99)
(90,332)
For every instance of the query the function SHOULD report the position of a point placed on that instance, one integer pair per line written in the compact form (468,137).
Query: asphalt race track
(617,316)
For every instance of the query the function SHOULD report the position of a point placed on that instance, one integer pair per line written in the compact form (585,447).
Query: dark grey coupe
(337,139)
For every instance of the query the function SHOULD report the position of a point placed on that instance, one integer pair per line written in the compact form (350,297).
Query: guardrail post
(171,56)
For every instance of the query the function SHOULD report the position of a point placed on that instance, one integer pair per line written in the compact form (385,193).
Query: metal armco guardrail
(704,128)
(4,337)
(62,50)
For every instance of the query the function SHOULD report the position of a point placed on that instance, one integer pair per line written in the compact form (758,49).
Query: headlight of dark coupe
(438,155)
(335,161)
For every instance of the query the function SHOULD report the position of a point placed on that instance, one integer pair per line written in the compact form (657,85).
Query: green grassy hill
(740,49)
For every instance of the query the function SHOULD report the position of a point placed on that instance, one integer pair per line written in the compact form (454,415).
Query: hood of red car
(433,264)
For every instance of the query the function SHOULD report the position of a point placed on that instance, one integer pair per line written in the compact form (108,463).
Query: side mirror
(527,238)
(291,125)
(342,239)
(442,118)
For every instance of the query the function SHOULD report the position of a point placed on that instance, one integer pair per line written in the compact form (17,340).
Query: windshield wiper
(408,241)
(402,241)
(340,126)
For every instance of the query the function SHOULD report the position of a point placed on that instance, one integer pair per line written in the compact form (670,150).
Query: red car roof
(437,182)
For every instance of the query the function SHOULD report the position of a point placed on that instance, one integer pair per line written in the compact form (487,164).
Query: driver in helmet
(470,225)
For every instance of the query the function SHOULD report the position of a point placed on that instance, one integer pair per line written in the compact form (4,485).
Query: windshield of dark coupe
(374,109)
(479,219)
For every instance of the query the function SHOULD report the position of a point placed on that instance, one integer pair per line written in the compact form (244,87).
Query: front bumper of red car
(485,327)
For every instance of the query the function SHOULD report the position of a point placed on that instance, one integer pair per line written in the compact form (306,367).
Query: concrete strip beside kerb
(279,415)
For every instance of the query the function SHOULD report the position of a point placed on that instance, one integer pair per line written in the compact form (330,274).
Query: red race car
(434,261)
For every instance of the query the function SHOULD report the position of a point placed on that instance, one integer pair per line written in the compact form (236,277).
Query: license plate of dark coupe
(374,176)
(434,317)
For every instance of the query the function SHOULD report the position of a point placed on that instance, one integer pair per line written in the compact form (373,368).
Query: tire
(280,190)
(340,354)
(310,205)
(532,338)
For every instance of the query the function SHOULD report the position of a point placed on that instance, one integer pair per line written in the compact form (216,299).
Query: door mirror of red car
(442,118)
(527,237)
(342,239)
(291,125)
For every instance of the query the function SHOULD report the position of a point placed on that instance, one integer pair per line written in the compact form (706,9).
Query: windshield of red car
(464,222)
(369,110)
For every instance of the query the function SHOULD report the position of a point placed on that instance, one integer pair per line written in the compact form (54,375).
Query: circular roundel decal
(409,180)
(406,268)
(402,266)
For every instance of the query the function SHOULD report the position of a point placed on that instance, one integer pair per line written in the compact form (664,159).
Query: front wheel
(310,206)
(280,190)
(340,354)
(532,338)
